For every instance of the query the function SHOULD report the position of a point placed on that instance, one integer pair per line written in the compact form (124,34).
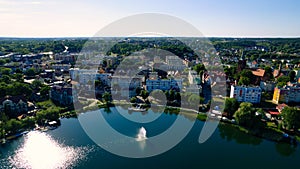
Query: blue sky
(71,18)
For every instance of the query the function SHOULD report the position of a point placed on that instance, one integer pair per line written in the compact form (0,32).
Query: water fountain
(142,134)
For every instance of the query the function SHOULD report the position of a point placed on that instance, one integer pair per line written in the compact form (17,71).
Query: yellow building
(286,94)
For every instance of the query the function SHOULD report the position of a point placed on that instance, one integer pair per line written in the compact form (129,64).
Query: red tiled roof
(280,106)
(273,112)
(259,72)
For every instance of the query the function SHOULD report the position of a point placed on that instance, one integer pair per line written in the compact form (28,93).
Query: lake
(69,146)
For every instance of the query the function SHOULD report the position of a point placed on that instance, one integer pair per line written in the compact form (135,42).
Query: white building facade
(246,94)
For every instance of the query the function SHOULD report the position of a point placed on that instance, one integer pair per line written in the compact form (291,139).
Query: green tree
(246,77)
(144,94)
(19,77)
(20,89)
(50,114)
(5,71)
(194,99)
(133,100)
(106,97)
(98,83)
(3,120)
(13,125)
(284,79)
(291,117)
(244,81)
(247,73)
(18,70)
(36,84)
(5,79)
(245,116)
(28,122)
(199,67)
(45,90)
(292,76)
(30,72)
(231,106)
(269,72)
(2,62)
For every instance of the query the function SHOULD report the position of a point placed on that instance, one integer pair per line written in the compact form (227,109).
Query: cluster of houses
(54,73)
(60,75)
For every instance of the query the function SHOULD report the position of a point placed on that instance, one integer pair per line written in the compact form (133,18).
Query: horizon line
(68,37)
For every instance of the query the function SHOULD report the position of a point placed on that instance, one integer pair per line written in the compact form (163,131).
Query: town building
(241,63)
(280,107)
(174,63)
(193,77)
(83,76)
(246,94)
(155,83)
(267,86)
(287,94)
(259,75)
(126,86)
(193,88)
(61,67)
(66,58)
(13,105)
(62,95)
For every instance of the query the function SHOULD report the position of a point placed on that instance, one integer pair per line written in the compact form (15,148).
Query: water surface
(69,147)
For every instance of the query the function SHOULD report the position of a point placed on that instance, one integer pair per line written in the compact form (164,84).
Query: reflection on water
(230,133)
(41,151)
(285,149)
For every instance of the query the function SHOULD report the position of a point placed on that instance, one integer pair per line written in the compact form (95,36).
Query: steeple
(241,63)
(242,56)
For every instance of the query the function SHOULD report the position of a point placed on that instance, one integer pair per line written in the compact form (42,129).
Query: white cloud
(34,2)
(19,2)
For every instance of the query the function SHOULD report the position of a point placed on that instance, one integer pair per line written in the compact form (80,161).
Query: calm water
(69,147)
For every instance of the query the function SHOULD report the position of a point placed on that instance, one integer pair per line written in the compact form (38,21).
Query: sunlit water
(40,151)
(69,146)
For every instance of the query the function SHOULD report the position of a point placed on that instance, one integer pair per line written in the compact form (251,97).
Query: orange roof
(280,106)
(73,82)
(274,112)
(275,72)
(259,72)
(101,70)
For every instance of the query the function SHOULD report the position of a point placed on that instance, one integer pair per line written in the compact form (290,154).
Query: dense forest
(271,48)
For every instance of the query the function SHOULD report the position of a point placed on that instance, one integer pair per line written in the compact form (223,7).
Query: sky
(214,18)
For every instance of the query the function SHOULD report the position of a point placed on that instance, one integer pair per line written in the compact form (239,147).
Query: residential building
(193,77)
(246,94)
(126,86)
(13,105)
(259,75)
(267,86)
(67,58)
(193,88)
(104,77)
(61,67)
(286,94)
(174,63)
(163,84)
(252,64)
(83,76)
(62,95)
(297,71)
(241,64)
(280,107)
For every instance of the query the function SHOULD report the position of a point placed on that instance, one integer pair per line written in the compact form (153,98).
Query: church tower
(241,63)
